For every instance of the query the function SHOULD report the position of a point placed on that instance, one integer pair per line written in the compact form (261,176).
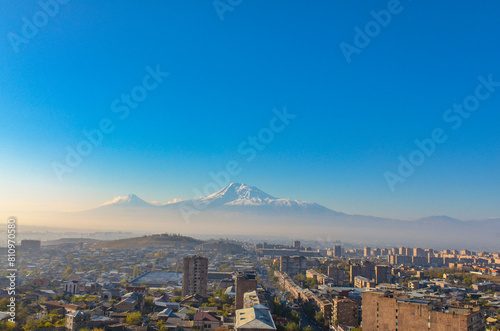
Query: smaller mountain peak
(128,200)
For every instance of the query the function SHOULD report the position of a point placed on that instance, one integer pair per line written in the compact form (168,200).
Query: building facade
(389,311)
(245,282)
(293,265)
(194,275)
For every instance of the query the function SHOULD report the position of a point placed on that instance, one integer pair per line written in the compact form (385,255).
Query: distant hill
(62,241)
(157,240)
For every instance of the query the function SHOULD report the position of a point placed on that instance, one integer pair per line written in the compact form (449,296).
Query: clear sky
(353,120)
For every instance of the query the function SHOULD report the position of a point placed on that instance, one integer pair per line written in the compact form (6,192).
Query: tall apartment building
(419,252)
(367,251)
(293,265)
(337,251)
(365,269)
(194,275)
(336,275)
(245,282)
(389,312)
(345,312)
(383,274)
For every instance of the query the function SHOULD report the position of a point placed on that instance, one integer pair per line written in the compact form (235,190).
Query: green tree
(292,327)
(134,318)
(135,273)
(295,316)
(319,318)
(68,271)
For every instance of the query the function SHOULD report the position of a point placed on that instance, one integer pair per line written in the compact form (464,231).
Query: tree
(319,318)
(134,318)
(295,316)
(68,271)
(7,325)
(292,327)
(135,273)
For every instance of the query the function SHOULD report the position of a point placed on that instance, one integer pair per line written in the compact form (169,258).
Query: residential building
(365,269)
(194,275)
(383,274)
(245,282)
(293,265)
(345,312)
(389,311)
(367,251)
(337,275)
(337,251)
(72,287)
(77,320)
(252,319)
(361,282)
(205,321)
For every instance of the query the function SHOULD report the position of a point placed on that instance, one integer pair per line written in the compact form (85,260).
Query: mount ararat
(239,209)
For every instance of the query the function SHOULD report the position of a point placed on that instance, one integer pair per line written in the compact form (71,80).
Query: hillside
(63,241)
(156,240)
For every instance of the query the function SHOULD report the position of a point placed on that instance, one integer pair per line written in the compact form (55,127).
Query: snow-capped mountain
(243,209)
(241,197)
(234,197)
(130,200)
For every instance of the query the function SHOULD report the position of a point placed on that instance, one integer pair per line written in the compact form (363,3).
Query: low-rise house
(77,320)
(251,319)
(206,321)
(130,302)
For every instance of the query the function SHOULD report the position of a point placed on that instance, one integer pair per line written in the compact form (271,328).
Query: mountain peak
(237,192)
(131,200)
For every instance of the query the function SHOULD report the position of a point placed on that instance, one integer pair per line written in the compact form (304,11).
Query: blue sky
(353,120)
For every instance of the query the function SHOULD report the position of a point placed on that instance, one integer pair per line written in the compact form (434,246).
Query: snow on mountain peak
(235,195)
(129,200)
(238,194)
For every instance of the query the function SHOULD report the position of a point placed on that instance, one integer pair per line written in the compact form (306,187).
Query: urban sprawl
(229,285)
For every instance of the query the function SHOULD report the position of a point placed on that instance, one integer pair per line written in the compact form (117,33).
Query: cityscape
(175,282)
(237,165)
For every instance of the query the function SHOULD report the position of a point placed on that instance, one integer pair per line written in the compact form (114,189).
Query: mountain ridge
(245,210)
